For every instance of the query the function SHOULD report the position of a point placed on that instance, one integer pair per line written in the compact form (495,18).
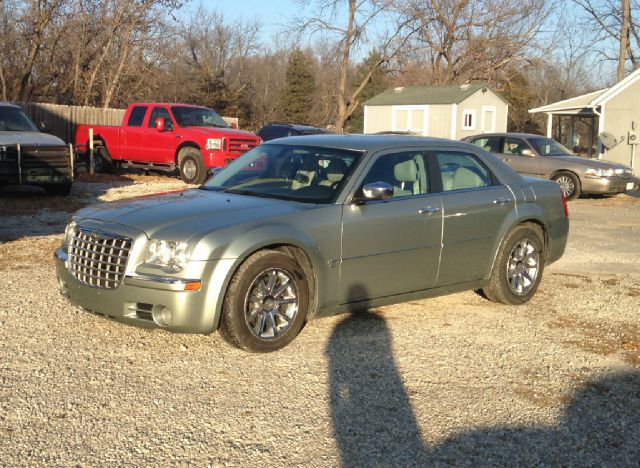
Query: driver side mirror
(374,191)
(528,152)
(159,124)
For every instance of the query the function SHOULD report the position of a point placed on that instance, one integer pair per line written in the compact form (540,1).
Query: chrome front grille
(98,259)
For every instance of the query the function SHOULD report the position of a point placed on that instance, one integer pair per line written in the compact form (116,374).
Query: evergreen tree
(297,96)
(376,84)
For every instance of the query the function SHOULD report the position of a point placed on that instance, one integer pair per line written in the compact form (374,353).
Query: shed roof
(418,95)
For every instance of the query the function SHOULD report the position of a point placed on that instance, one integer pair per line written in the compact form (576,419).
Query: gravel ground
(452,380)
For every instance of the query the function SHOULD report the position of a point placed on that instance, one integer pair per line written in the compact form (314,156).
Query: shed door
(410,119)
(488,119)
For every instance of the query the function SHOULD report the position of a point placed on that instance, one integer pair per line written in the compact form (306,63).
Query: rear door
(475,206)
(133,135)
(393,246)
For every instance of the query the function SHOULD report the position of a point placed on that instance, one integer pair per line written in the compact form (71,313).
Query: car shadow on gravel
(374,423)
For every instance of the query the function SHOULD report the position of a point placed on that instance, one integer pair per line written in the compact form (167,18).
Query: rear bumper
(606,185)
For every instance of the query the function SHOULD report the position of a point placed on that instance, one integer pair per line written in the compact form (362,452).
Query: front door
(392,247)
(512,154)
(160,146)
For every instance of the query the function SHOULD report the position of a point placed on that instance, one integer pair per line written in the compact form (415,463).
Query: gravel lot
(453,380)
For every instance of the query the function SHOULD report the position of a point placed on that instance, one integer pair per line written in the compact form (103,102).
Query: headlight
(213,144)
(168,254)
(69,231)
(599,172)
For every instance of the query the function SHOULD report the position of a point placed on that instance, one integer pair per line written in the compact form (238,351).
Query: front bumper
(143,300)
(604,185)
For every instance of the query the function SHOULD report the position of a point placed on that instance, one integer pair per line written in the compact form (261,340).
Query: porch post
(549,124)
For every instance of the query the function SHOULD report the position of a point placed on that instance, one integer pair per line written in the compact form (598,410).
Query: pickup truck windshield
(197,117)
(14,120)
(549,147)
(299,173)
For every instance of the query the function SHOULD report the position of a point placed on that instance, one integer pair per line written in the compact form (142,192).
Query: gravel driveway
(453,380)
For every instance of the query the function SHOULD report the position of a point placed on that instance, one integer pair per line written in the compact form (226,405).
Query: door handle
(501,200)
(428,210)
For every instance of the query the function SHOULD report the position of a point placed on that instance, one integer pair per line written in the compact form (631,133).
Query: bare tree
(349,39)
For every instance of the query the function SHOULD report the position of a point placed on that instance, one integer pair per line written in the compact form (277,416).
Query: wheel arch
(182,146)
(290,247)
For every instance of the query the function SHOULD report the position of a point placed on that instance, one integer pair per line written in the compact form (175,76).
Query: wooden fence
(61,120)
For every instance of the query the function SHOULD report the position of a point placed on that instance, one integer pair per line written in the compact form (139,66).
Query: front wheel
(569,184)
(266,303)
(192,169)
(517,271)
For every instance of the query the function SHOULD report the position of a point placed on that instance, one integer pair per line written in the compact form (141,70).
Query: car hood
(594,163)
(29,138)
(215,131)
(188,214)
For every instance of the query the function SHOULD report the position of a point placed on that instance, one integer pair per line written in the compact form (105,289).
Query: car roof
(508,134)
(359,142)
(295,126)
(8,104)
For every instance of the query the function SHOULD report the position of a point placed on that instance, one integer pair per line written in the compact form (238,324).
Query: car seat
(334,172)
(406,175)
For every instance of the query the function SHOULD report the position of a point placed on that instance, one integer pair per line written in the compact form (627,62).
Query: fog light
(161,315)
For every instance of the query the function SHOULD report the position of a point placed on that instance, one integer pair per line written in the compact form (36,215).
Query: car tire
(60,190)
(569,184)
(192,168)
(266,303)
(518,267)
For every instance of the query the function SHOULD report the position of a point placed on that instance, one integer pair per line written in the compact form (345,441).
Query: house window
(468,119)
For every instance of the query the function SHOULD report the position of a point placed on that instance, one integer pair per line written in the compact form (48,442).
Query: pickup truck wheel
(102,160)
(569,184)
(518,268)
(266,303)
(58,189)
(192,169)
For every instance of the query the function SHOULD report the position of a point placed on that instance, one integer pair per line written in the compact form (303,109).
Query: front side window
(549,147)
(197,117)
(514,146)
(406,172)
(13,119)
(160,112)
(137,116)
(462,171)
(299,173)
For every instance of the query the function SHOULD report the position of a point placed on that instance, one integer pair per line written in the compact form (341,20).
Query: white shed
(452,111)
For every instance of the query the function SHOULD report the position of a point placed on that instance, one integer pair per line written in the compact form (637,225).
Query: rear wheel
(518,268)
(192,168)
(569,184)
(102,160)
(266,303)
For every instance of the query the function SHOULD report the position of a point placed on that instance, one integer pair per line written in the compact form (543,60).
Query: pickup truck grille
(241,145)
(98,259)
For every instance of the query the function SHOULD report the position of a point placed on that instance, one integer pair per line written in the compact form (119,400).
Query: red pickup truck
(166,137)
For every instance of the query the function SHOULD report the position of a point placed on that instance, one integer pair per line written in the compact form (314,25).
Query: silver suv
(538,156)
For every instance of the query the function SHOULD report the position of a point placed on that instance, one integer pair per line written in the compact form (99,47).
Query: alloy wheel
(522,267)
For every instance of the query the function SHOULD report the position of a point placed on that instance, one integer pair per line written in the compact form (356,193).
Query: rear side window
(462,171)
(490,144)
(137,116)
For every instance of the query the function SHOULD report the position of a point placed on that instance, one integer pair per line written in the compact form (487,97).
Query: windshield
(300,173)
(197,117)
(549,147)
(14,120)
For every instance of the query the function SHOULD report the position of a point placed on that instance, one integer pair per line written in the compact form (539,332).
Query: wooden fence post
(71,159)
(91,165)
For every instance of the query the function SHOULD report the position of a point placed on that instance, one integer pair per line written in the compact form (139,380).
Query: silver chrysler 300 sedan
(310,226)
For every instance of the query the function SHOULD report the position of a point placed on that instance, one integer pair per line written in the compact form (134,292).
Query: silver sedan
(306,227)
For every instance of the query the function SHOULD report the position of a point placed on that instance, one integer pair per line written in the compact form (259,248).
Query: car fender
(259,238)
